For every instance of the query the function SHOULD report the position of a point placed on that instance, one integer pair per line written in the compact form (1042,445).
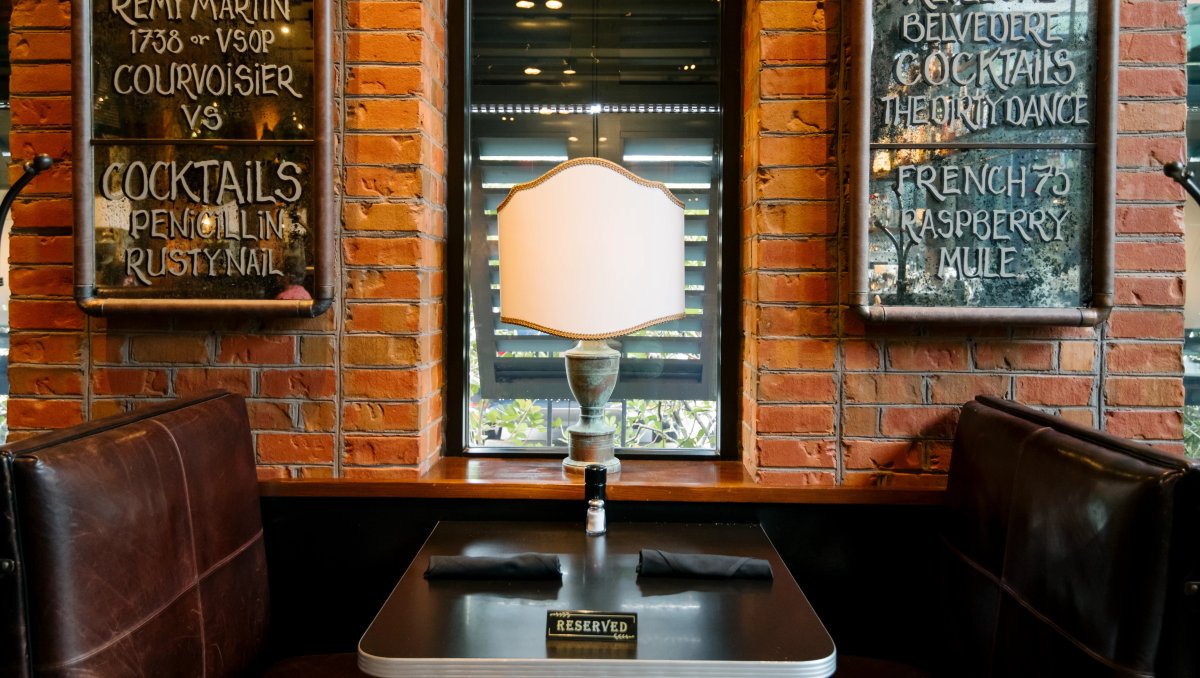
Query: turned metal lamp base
(592,374)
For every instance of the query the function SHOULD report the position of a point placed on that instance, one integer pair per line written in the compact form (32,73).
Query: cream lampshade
(590,251)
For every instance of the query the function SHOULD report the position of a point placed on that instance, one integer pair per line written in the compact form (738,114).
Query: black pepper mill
(595,478)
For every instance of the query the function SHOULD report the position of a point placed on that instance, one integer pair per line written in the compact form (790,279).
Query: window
(645,85)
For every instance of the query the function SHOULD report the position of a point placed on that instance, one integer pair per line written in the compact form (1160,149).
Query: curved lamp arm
(40,163)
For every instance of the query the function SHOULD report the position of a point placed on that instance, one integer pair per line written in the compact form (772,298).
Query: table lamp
(591,251)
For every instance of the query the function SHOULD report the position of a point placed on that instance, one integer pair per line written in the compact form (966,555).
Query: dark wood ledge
(667,481)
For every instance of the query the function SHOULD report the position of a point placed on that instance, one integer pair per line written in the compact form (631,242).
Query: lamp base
(592,374)
(591,448)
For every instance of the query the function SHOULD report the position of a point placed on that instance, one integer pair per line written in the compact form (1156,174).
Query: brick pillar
(791,248)
(46,376)
(392,246)
(1143,347)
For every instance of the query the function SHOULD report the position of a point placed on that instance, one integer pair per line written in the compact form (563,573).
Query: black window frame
(729,394)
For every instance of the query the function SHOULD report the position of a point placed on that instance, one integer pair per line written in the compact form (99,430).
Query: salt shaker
(595,478)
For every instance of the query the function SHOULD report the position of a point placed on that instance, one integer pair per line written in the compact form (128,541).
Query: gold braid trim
(605,335)
(591,161)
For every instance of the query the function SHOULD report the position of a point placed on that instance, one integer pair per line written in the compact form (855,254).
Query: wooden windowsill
(668,481)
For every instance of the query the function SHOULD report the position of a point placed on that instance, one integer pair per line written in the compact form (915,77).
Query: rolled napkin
(517,566)
(655,563)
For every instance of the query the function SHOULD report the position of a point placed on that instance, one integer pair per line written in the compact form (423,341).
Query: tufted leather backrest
(137,546)
(1069,550)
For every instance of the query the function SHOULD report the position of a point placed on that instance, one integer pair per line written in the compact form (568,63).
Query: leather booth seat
(1070,552)
(133,546)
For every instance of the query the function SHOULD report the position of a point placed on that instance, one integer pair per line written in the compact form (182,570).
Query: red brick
(1145,358)
(795,321)
(129,381)
(381,417)
(795,453)
(809,253)
(169,348)
(384,47)
(381,473)
(798,14)
(927,355)
(52,78)
(795,354)
(1124,324)
(1152,82)
(1155,48)
(795,218)
(316,350)
(1149,291)
(1147,186)
(797,47)
(797,387)
(403,284)
(813,419)
(1077,356)
(37,347)
(804,116)
(295,448)
(800,81)
(796,287)
(316,415)
(269,415)
(38,414)
(1132,219)
(1138,151)
(1145,424)
(50,111)
(1144,391)
(386,80)
(45,315)
(860,355)
(1054,390)
(1152,14)
(374,216)
(260,349)
(372,450)
(797,151)
(956,389)
(884,454)
(375,384)
(860,421)
(198,379)
(926,422)
(883,388)
(102,409)
(304,383)
(1014,356)
(39,46)
(271,472)
(777,478)
(1151,256)
(30,380)
(41,249)
(796,183)
(376,15)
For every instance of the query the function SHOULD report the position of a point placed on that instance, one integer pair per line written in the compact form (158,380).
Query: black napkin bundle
(517,566)
(655,563)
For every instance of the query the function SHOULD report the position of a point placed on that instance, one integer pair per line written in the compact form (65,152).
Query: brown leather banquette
(1071,552)
(133,546)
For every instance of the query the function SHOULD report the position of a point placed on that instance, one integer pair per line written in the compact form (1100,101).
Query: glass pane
(635,83)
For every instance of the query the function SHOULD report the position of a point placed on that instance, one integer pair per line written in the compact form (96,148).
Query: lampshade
(589,251)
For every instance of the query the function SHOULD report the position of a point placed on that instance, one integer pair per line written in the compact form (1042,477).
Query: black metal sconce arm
(40,163)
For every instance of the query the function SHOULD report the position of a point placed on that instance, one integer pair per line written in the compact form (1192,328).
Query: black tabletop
(685,626)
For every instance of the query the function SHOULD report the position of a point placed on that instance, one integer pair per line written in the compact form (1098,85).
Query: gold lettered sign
(203,137)
(983,147)
(591,625)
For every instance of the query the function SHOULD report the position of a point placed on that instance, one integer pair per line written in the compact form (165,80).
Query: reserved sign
(590,625)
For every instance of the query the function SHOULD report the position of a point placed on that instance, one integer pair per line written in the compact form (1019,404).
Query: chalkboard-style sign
(203,156)
(982,147)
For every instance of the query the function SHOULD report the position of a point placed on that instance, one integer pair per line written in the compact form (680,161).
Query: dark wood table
(686,627)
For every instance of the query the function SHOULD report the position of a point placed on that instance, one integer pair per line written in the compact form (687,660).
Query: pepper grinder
(595,478)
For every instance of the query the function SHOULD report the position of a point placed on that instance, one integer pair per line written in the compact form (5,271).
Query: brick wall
(359,392)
